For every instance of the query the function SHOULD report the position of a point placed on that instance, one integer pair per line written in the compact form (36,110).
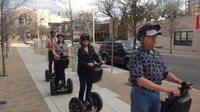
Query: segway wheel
(97,101)
(52,87)
(69,85)
(47,75)
(75,105)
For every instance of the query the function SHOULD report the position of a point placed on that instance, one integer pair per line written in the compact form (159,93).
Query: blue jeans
(143,100)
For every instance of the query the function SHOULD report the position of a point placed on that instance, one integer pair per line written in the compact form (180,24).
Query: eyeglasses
(86,39)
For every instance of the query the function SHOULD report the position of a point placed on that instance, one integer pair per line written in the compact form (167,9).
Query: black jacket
(84,58)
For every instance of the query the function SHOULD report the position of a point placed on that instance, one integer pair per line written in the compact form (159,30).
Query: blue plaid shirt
(147,64)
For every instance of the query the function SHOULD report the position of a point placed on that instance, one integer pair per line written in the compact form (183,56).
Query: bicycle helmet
(60,35)
(148,30)
(84,36)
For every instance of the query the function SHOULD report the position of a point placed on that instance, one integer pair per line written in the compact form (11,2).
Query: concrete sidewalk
(36,65)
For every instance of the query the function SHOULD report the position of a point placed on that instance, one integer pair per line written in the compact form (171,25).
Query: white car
(68,43)
(29,41)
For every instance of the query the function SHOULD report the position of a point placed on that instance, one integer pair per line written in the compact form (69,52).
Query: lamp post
(93,27)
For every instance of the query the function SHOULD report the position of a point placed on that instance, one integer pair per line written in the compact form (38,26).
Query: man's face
(53,34)
(149,41)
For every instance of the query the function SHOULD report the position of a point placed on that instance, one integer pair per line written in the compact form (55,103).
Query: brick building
(186,35)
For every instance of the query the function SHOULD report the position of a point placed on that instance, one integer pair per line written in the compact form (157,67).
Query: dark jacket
(84,58)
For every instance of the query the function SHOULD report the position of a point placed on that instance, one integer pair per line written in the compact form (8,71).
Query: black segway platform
(63,90)
(76,105)
(48,75)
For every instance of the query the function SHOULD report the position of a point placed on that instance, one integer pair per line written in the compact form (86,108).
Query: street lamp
(93,22)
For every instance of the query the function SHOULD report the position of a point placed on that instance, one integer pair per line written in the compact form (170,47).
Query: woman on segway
(86,58)
(60,50)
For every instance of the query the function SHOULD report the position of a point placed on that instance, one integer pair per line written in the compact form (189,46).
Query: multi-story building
(24,22)
(44,17)
(185,34)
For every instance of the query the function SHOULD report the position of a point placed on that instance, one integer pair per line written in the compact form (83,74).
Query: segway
(76,105)
(48,75)
(178,104)
(62,88)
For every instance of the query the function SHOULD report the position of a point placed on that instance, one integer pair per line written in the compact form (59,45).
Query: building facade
(185,34)
(24,23)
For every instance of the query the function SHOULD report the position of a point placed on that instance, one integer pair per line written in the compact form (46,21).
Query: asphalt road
(186,68)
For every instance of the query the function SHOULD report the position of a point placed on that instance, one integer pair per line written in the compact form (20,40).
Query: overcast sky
(58,5)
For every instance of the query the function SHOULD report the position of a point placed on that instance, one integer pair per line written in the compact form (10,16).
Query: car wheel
(127,64)
(105,58)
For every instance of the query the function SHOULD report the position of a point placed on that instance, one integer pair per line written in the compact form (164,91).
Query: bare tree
(118,11)
(69,12)
(129,13)
(171,10)
(6,6)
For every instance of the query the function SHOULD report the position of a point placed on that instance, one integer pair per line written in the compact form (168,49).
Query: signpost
(198,22)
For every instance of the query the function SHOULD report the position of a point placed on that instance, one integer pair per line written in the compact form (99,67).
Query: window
(183,38)
(24,19)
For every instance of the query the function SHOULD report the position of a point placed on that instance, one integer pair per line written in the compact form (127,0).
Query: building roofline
(23,8)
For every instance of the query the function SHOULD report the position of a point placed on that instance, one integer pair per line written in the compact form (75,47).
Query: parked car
(122,50)
(29,41)
(68,43)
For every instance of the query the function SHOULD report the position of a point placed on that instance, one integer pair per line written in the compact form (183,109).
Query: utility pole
(113,35)
(71,18)
(93,27)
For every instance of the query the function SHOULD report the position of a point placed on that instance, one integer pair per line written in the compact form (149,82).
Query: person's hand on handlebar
(90,64)
(57,56)
(175,91)
(102,62)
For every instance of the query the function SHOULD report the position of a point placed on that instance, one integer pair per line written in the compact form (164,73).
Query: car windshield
(127,45)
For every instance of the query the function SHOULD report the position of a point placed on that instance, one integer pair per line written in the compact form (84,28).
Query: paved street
(186,68)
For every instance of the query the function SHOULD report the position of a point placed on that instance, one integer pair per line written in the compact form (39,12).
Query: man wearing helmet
(50,43)
(147,72)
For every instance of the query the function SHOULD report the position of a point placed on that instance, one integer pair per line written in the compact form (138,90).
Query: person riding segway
(88,73)
(147,72)
(49,44)
(61,53)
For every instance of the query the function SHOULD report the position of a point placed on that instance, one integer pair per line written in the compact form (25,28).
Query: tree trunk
(7,48)
(3,57)
(171,33)
(2,40)
(134,32)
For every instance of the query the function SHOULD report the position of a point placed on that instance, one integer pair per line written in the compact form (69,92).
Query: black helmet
(52,31)
(60,35)
(84,36)
(149,30)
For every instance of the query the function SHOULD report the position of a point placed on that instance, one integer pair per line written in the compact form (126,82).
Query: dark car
(121,51)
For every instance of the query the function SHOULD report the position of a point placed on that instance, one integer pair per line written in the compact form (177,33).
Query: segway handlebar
(185,86)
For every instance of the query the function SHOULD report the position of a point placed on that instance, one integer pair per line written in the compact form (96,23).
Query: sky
(60,5)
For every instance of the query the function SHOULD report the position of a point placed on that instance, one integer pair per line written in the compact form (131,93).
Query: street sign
(198,22)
